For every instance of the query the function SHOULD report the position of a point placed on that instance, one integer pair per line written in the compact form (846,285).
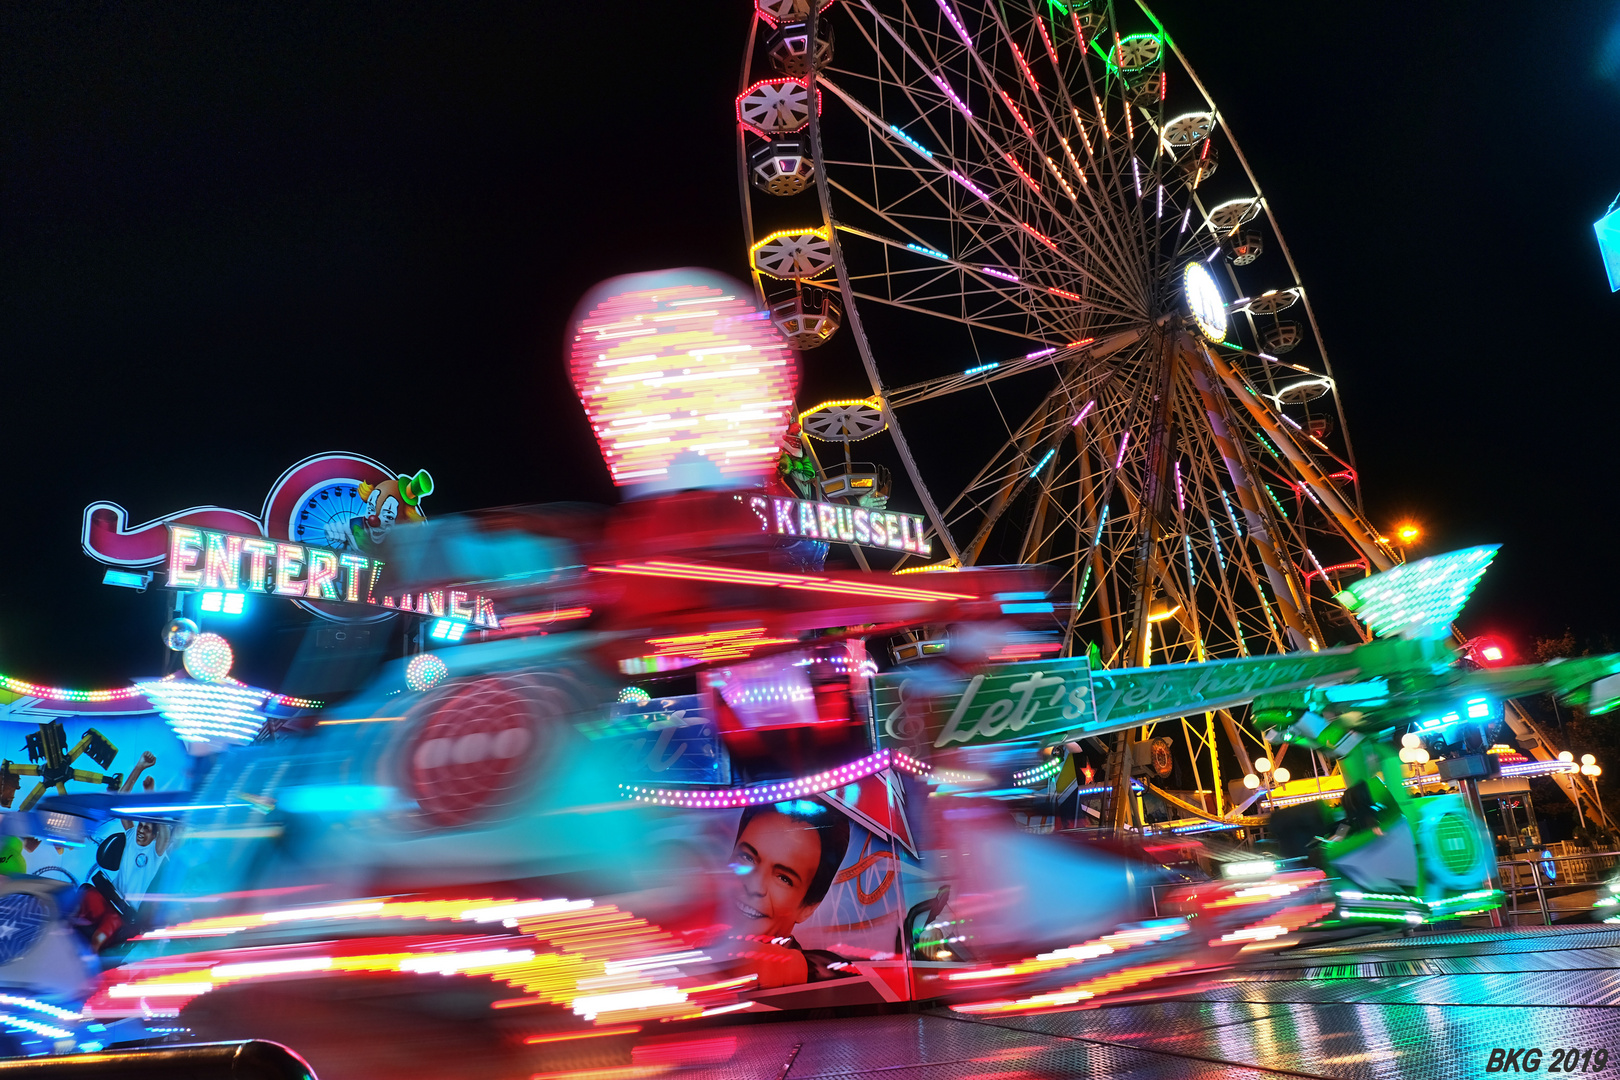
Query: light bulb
(1280,775)
(1251,781)
(1588,759)
(1565,755)
(1410,739)
(1262,764)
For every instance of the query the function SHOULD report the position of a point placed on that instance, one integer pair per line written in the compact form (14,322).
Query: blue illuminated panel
(1607,228)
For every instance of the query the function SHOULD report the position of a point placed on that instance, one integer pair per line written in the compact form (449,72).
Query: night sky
(235,235)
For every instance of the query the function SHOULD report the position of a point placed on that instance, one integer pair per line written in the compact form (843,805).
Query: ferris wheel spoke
(1007,226)
(999,99)
(1038,439)
(984,374)
(1041,422)
(1028,334)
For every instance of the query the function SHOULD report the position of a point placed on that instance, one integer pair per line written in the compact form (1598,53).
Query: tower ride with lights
(1036,190)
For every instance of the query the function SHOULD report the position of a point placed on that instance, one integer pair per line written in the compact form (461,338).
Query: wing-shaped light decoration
(225,712)
(1418,599)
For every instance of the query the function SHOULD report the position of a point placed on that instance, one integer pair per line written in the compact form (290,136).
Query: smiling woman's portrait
(784,861)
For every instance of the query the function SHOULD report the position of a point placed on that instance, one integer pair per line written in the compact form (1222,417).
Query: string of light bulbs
(787,790)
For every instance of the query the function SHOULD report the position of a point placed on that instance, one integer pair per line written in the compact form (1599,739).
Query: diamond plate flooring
(1429,1005)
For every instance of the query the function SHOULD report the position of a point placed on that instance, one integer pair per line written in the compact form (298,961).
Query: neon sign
(805,519)
(336,501)
(228,562)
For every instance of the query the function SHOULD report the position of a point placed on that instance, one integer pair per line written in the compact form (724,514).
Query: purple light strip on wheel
(970,185)
(939,80)
(956,24)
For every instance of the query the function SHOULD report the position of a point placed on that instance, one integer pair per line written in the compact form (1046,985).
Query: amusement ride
(659,762)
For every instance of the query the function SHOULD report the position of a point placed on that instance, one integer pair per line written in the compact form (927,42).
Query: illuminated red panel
(678,364)
(474,748)
(735,576)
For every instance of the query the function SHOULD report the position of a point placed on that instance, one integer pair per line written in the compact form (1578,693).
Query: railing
(1521,879)
(256,1059)
(1571,875)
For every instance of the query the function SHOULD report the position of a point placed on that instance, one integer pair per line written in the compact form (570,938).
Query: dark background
(234,236)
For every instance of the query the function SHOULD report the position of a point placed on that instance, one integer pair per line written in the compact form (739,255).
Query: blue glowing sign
(1607,228)
(127,580)
(447,630)
(1476,710)
(223,603)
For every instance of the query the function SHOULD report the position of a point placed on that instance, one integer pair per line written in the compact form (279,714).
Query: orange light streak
(568,1036)
(540,618)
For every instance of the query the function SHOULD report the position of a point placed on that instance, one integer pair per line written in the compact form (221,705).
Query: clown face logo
(380,506)
(384,507)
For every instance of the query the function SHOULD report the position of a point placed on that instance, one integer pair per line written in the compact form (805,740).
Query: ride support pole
(1470,790)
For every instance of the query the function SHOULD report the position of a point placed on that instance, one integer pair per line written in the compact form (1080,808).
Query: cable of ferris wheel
(1000,504)
(929,389)
(854,324)
(989,469)
(1103,210)
(969,268)
(1282,242)
(1114,170)
(1070,228)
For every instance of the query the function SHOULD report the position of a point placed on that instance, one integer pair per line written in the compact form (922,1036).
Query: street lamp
(1270,775)
(1590,769)
(1412,749)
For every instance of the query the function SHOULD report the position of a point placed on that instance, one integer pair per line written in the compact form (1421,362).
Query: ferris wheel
(1025,229)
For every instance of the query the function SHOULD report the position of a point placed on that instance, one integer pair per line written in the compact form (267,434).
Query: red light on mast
(1487,651)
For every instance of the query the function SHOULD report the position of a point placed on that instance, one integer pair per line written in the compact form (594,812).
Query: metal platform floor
(1431,1005)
